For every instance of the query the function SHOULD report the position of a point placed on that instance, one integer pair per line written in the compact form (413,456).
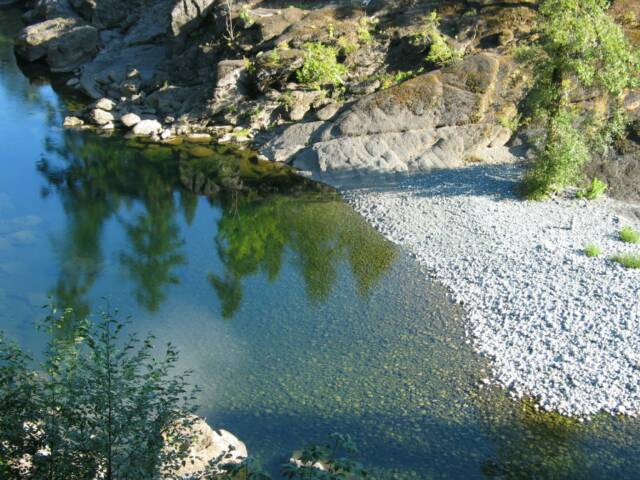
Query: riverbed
(297,318)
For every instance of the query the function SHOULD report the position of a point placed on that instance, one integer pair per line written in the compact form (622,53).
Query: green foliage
(332,456)
(510,123)
(365,25)
(560,158)
(388,80)
(440,52)
(627,260)
(245,16)
(321,66)
(17,394)
(347,46)
(595,190)
(100,408)
(629,235)
(580,48)
(592,250)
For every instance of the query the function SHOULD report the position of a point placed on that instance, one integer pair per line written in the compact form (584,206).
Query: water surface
(296,317)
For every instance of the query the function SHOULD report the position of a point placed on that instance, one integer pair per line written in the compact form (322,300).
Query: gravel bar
(559,326)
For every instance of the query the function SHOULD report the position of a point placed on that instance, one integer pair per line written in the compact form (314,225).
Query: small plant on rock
(440,52)
(595,190)
(592,250)
(365,25)
(321,66)
(247,19)
(629,235)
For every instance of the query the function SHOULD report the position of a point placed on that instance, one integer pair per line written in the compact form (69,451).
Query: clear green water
(296,317)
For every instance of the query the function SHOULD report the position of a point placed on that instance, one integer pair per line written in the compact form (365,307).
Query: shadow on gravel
(497,181)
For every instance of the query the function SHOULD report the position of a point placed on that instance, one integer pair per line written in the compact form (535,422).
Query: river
(296,317)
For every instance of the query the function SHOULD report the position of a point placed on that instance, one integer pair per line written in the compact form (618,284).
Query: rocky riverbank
(559,326)
(354,91)
(232,71)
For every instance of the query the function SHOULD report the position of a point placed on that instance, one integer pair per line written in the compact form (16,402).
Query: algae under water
(296,317)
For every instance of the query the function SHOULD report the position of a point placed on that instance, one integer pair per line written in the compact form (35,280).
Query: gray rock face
(113,64)
(188,14)
(230,85)
(443,119)
(65,42)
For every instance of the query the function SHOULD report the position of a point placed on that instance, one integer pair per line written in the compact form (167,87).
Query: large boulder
(65,43)
(111,13)
(442,119)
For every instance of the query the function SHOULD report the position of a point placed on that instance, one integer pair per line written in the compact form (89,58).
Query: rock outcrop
(442,119)
(65,43)
(175,67)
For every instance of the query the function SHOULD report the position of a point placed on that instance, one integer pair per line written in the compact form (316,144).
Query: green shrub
(321,66)
(592,250)
(560,158)
(247,19)
(579,47)
(346,46)
(101,404)
(629,235)
(365,24)
(440,52)
(627,260)
(595,190)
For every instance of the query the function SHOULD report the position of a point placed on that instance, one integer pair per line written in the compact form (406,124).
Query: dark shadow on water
(520,444)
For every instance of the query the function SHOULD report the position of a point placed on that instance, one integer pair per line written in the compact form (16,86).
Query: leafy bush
(560,158)
(627,260)
(595,190)
(592,251)
(579,48)
(321,66)
(629,235)
(101,406)
(17,393)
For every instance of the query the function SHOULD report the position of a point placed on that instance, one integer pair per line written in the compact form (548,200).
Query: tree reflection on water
(265,212)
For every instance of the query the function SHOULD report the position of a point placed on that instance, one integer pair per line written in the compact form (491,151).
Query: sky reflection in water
(297,318)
